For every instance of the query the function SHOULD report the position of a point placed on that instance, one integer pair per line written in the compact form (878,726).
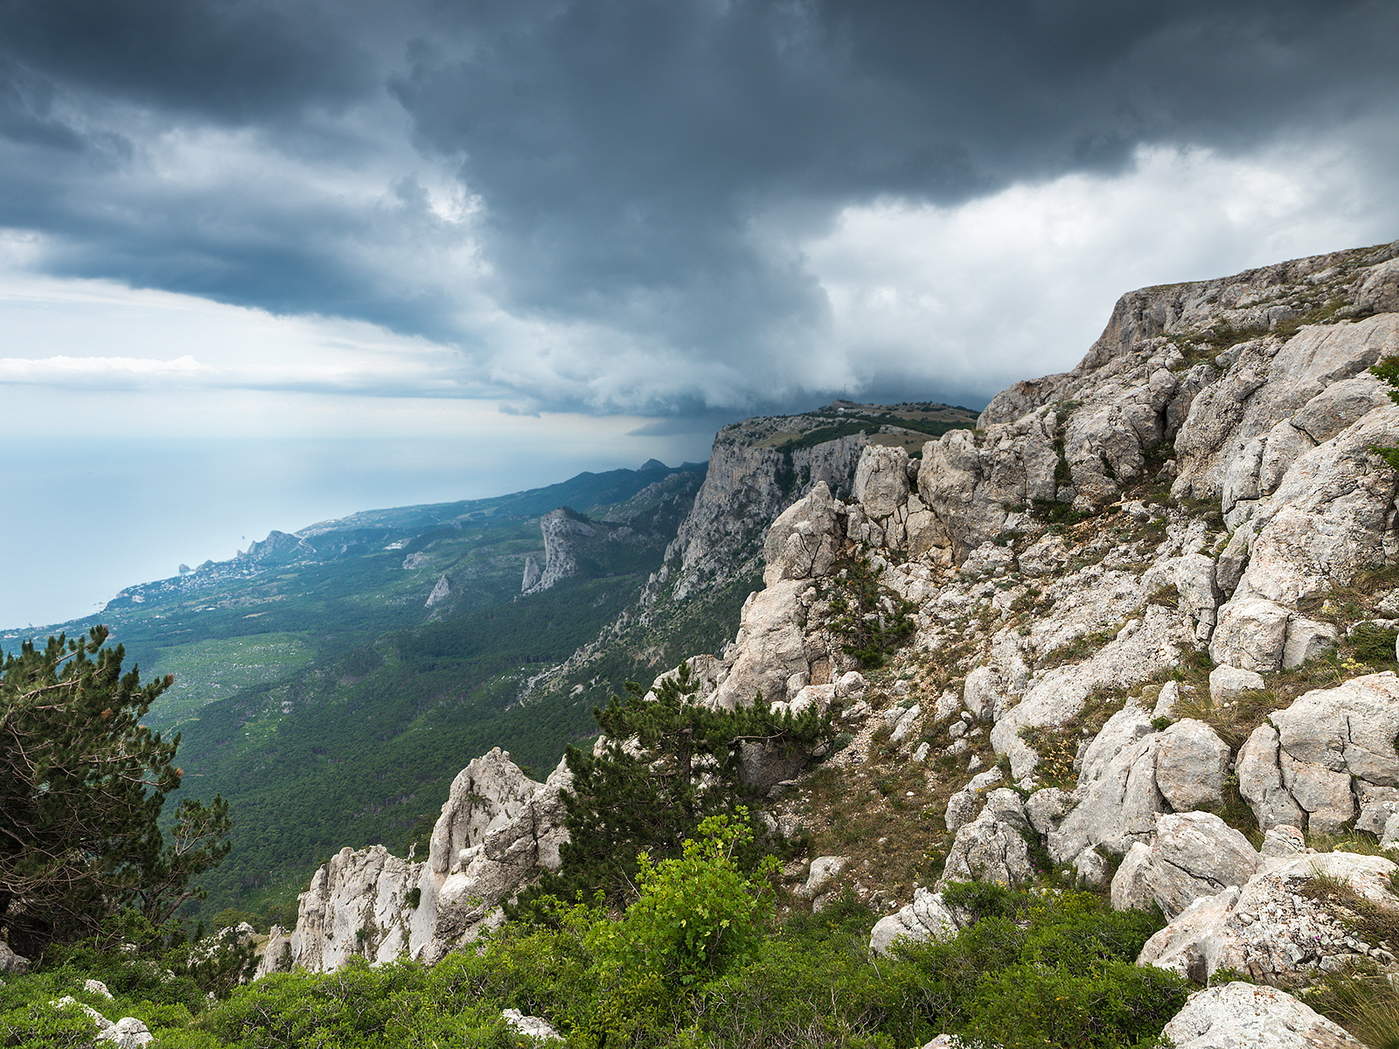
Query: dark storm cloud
(223,60)
(644,165)
(623,147)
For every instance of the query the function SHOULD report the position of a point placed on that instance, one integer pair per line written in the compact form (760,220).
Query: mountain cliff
(1135,629)
(757,468)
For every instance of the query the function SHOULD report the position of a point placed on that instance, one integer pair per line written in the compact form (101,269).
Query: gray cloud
(645,170)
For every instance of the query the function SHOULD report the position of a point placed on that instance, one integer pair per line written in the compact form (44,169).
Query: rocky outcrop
(533,572)
(1235,1015)
(497,830)
(570,541)
(441,592)
(995,846)
(1278,927)
(1328,761)
(126,1033)
(757,468)
(926,917)
(12,964)
(1192,854)
(278,548)
(535,1028)
(1130,774)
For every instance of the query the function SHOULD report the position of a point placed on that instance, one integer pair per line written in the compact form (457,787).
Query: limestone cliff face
(751,479)
(497,829)
(570,540)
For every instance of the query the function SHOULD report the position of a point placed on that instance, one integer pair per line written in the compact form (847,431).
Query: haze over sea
(132,509)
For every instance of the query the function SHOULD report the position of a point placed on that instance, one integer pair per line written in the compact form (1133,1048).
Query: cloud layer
(664,207)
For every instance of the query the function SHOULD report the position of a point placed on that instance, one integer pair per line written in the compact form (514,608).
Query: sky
(263,262)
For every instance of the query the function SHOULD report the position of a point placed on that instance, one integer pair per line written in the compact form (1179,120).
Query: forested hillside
(319,691)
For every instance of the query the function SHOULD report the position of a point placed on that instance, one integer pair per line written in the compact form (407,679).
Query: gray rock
(1228,683)
(904,726)
(881,482)
(1247,1016)
(497,831)
(532,1027)
(821,874)
(1191,765)
(1281,842)
(1117,800)
(801,543)
(441,591)
(1193,854)
(851,685)
(1045,808)
(1306,640)
(926,917)
(1167,700)
(12,964)
(1268,928)
(126,1033)
(962,806)
(1326,521)
(993,847)
(1307,765)
(983,693)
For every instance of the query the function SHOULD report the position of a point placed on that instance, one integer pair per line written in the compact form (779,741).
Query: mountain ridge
(1136,630)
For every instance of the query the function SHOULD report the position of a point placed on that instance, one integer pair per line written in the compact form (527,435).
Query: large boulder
(1328,519)
(1191,765)
(1193,854)
(1276,928)
(12,964)
(1328,761)
(770,646)
(801,543)
(926,917)
(1246,1016)
(1130,774)
(995,846)
(535,1028)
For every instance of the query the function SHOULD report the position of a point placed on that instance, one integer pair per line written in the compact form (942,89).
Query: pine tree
(665,763)
(82,784)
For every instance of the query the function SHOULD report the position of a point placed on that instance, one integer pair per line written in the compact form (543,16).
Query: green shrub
(1116,1006)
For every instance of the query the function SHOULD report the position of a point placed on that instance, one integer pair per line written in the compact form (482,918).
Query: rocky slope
(1138,626)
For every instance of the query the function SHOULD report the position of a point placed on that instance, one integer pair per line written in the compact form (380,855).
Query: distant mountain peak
(652,465)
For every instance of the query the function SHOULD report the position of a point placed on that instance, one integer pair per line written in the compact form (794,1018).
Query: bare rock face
(1193,854)
(1327,760)
(926,917)
(801,543)
(993,847)
(531,575)
(441,591)
(126,1033)
(1236,1015)
(1130,774)
(570,542)
(1228,683)
(497,830)
(1272,927)
(749,482)
(1328,518)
